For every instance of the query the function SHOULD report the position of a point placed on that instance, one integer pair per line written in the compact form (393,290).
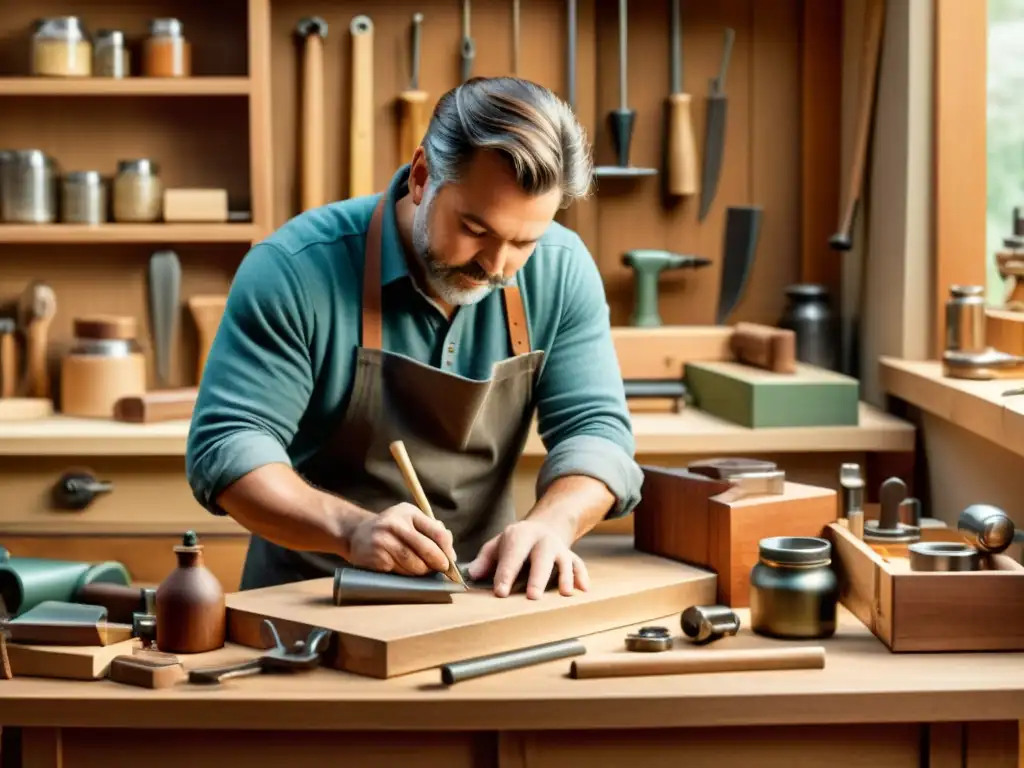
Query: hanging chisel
(681,156)
(714,140)
(468,50)
(515,38)
(570,55)
(413,118)
(360,158)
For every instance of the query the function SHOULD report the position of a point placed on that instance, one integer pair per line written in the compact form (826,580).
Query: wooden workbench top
(691,432)
(861,682)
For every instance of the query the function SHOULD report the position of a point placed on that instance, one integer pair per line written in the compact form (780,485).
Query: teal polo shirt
(281,367)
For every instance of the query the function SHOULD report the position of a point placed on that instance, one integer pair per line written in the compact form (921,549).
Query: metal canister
(988,528)
(793,591)
(28,186)
(965,319)
(110,54)
(809,315)
(83,198)
(5,156)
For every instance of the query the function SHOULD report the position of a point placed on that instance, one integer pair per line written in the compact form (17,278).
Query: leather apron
(464,436)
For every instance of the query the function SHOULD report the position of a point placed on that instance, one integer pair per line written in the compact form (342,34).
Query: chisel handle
(313,193)
(682,152)
(360,158)
(412,122)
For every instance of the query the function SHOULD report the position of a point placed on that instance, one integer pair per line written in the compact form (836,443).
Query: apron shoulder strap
(372,332)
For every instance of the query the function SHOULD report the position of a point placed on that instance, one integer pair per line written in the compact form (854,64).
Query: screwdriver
(412,122)
(681,156)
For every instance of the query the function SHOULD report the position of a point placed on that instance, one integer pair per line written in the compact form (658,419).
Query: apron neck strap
(373,328)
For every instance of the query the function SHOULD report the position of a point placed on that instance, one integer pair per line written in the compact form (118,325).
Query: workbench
(868,707)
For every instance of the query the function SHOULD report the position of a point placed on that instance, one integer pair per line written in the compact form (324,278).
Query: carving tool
(206,313)
(301,655)
(852,483)
(570,52)
(647,266)
(764,346)
(312,31)
(413,114)
(458,671)
(696,662)
(943,556)
(649,640)
(681,155)
(515,38)
(354,586)
(360,151)
(412,484)
(842,240)
(742,230)
(704,624)
(164,293)
(714,139)
(467,51)
(8,358)
(989,528)
(36,310)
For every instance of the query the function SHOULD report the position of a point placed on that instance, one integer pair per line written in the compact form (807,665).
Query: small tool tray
(923,611)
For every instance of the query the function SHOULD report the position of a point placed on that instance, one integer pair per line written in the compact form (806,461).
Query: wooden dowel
(696,662)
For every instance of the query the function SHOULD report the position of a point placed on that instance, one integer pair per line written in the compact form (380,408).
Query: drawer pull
(77,490)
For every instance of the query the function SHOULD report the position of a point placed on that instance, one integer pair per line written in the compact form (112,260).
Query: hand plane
(302,655)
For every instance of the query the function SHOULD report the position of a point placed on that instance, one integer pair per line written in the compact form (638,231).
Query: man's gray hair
(526,123)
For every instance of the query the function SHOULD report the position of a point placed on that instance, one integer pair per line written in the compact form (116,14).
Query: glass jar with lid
(83,198)
(28,187)
(110,54)
(166,52)
(61,48)
(138,191)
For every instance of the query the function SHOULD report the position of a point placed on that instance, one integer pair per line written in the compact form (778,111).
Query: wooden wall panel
(762,154)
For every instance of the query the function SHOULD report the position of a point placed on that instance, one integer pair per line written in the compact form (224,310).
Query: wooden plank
(387,640)
(71,662)
(661,353)
(960,139)
(260,144)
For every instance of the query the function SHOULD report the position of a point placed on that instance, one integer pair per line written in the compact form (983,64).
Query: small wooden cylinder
(91,384)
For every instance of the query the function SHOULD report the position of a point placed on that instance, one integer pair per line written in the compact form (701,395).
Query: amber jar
(190,611)
(61,48)
(138,192)
(166,52)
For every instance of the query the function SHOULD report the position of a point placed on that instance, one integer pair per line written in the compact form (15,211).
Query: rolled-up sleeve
(258,377)
(582,414)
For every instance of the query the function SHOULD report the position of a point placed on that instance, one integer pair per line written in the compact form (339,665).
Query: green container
(25,582)
(755,398)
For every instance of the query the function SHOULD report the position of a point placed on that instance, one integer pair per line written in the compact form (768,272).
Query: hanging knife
(468,49)
(714,139)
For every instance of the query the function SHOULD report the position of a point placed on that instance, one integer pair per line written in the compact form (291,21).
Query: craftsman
(475,311)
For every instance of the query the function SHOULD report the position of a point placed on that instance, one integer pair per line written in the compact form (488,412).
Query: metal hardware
(943,556)
(706,623)
(649,640)
(77,489)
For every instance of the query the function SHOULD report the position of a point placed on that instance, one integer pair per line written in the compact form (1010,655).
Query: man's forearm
(573,505)
(277,504)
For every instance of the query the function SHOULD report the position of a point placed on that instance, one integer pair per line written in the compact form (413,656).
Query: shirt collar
(393,265)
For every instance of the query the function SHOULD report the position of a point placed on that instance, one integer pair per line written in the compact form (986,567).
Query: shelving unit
(134,86)
(128,233)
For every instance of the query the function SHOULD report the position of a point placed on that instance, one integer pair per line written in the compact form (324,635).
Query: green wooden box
(755,398)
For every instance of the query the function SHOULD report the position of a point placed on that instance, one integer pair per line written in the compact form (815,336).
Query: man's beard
(443,279)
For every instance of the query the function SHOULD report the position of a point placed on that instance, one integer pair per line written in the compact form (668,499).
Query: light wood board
(68,662)
(387,640)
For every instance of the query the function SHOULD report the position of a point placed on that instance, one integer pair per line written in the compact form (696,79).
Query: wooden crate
(914,611)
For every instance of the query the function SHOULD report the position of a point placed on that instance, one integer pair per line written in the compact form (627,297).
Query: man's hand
(545,547)
(401,539)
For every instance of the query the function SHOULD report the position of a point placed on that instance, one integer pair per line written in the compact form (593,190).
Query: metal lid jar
(110,54)
(793,591)
(166,52)
(83,198)
(138,191)
(28,187)
(61,48)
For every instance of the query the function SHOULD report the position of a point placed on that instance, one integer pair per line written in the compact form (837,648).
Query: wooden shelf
(128,233)
(977,406)
(689,433)
(129,86)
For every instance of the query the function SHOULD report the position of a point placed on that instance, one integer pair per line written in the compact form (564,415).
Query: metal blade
(742,229)
(714,147)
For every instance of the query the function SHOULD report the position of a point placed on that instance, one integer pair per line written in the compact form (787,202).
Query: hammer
(648,266)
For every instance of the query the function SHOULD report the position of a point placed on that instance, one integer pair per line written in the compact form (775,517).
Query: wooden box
(914,611)
(688,517)
(756,398)
(1004,330)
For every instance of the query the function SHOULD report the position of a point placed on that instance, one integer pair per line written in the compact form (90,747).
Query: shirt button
(451,348)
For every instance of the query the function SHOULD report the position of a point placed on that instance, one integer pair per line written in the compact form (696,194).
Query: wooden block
(692,518)
(1004,330)
(656,404)
(912,611)
(146,673)
(763,346)
(755,398)
(68,662)
(661,353)
(382,641)
(25,408)
(195,205)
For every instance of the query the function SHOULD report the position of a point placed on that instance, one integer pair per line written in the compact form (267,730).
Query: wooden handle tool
(412,483)
(37,307)
(206,312)
(413,113)
(763,346)
(842,240)
(681,154)
(162,405)
(8,358)
(697,662)
(360,156)
(312,31)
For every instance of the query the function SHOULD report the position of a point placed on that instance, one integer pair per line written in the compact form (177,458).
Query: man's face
(473,236)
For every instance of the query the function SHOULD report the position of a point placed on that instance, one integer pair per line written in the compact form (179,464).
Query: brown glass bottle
(190,614)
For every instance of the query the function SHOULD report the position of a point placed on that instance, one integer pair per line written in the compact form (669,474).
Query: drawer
(148,558)
(149,495)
